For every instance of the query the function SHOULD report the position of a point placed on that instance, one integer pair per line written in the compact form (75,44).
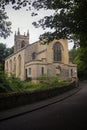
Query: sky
(22,19)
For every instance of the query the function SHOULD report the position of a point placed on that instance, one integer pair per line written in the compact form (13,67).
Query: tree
(69,19)
(16,4)
(78,56)
(73,53)
(4,52)
(5,26)
(82,66)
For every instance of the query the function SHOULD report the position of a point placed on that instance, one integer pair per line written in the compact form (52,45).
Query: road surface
(69,114)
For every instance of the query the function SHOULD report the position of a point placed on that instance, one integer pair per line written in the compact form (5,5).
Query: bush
(52,81)
(13,84)
(10,84)
(4,84)
(29,86)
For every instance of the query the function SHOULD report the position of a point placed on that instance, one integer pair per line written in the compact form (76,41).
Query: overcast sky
(22,19)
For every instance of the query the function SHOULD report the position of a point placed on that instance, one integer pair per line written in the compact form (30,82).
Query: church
(31,61)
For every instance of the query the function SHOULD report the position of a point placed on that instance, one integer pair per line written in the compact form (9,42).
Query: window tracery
(57,52)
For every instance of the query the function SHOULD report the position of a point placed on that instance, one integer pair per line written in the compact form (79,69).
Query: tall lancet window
(19,65)
(23,44)
(15,65)
(7,66)
(57,52)
(10,66)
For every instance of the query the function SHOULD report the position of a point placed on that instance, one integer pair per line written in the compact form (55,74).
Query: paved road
(69,114)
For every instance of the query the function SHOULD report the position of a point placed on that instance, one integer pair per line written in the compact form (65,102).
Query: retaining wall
(12,100)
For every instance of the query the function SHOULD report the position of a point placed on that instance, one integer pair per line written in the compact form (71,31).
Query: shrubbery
(13,84)
(9,84)
(4,83)
(52,81)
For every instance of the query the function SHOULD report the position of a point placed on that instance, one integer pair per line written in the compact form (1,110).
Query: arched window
(33,55)
(14,65)
(19,65)
(22,44)
(42,70)
(10,66)
(7,66)
(57,52)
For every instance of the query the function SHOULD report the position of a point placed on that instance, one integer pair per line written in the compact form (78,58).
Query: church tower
(20,41)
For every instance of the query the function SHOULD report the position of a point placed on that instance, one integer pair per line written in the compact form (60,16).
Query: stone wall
(19,99)
(29,51)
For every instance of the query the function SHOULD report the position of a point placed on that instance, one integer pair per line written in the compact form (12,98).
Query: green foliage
(83,59)
(79,56)
(4,83)
(74,53)
(68,21)
(5,26)
(17,4)
(13,84)
(49,81)
(4,52)
(9,51)
(1,67)
(10,84)
(52,81)
(29,86)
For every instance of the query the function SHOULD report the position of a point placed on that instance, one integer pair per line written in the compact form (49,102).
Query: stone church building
(30,61)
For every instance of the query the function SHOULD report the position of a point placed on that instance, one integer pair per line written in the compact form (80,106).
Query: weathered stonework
(30,61)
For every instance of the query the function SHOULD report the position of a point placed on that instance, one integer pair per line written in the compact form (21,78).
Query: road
(69,114)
